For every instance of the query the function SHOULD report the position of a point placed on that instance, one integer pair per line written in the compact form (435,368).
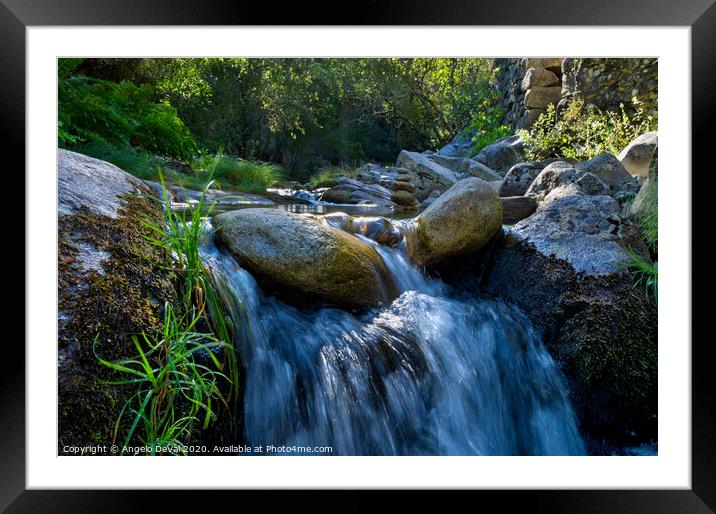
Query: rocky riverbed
(548,240)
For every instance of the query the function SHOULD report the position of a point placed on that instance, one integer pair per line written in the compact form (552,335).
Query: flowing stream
(437,372)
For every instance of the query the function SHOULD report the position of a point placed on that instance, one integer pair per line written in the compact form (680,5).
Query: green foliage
(487,123)
(583,132)
(648,219)
(65,67)
(239,174)
(649,228)
(176,390)
(328,175)
(137,162)
(303,113)
(645,274)
(121,115)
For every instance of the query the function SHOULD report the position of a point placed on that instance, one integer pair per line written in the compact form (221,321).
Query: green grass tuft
(178,379)
(328,176)
(237,174)
(645,274)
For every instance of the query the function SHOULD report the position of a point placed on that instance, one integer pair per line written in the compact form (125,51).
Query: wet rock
(377,228)
(302,259)
(112,285)
(564,267)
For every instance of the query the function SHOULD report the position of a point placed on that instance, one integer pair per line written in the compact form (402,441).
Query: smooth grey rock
(461,145)
(501,155)
(517,208)
(97,185)
(636,156)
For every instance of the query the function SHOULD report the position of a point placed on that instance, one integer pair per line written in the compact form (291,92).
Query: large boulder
(461,221)
(502,154)
(539,77)
(522,174)
(517,208)
(85,182)
(540,97)
(426,174)
(610,171)
(519,178)
(565,267)
(561,178)
(301,259)
(636,156)
(464,167)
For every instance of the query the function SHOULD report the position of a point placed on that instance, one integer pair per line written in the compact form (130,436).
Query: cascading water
(434,373)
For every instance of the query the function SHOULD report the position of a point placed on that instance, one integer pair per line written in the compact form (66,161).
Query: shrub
(487,123)
(120,115)
(583,132)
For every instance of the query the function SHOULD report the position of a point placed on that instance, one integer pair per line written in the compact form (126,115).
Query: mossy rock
(601,330)
(304,260)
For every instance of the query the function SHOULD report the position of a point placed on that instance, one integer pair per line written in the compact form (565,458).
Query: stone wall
(529,85)
(607,83)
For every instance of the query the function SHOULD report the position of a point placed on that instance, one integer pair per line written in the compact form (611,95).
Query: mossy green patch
(100,309)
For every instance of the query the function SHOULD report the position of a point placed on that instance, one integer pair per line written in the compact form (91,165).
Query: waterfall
(436,372)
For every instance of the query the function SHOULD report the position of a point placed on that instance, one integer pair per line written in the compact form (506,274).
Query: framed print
(409,254)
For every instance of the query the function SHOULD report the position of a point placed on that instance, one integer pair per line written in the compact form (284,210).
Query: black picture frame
(700,15)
